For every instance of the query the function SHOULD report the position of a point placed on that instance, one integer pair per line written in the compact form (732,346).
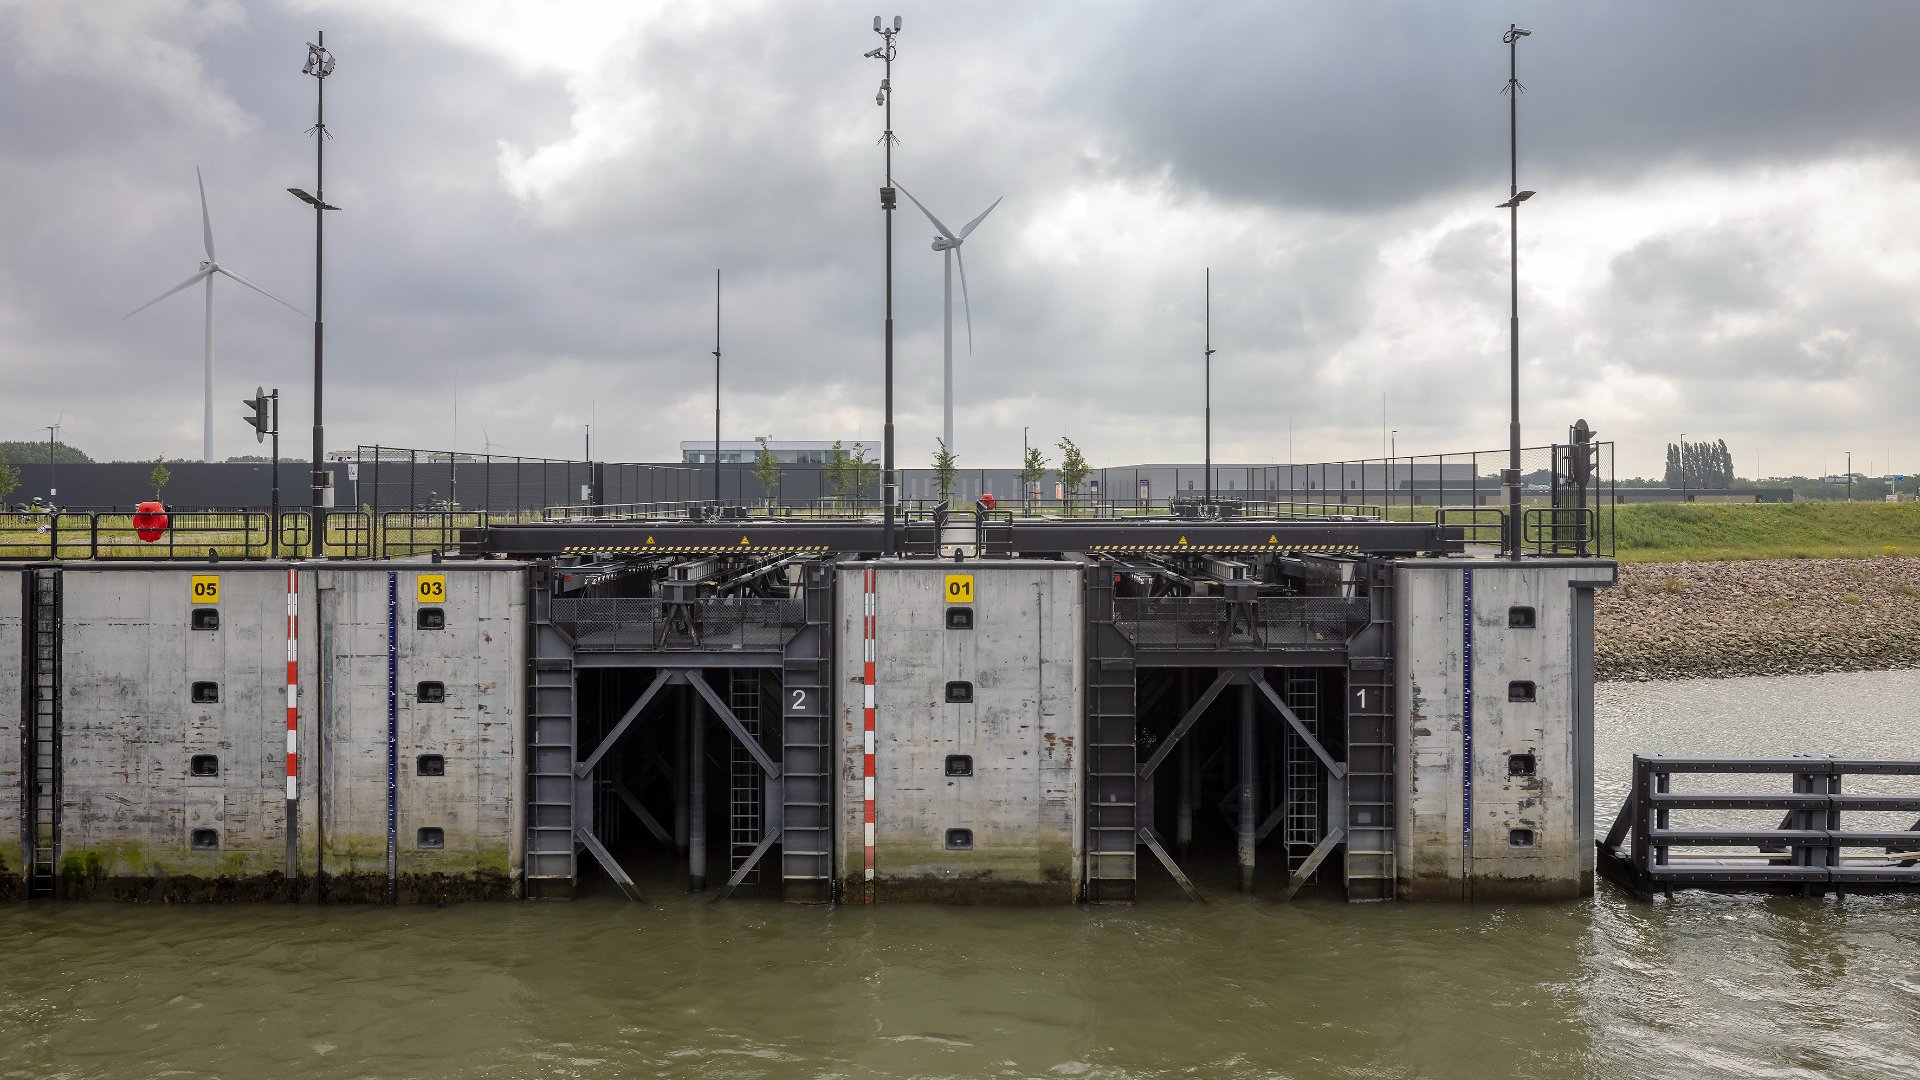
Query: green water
(1612,987)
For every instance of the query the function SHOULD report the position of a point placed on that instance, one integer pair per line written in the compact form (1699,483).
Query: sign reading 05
(206,588)
(959,588)
(430,588)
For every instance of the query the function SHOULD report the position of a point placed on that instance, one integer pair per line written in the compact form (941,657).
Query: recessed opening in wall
(1520,764)
(206,693)
(1520,618)
(432,692)
(959,691)
(959,764)
(204,840)
(1520,837)
(430,618)
(203,765)
(959,839)
(959,618)
(430,765)
(430,838)
(206,618)
(1519,690)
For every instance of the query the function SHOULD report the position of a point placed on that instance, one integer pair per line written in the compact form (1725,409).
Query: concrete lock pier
(1008,710)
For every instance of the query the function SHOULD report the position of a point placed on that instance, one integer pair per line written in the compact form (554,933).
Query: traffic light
(262,418)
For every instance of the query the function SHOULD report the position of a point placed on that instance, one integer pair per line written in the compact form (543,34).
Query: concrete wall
(1022,731)
(1530,835)
(478,804)
(12,705)
(129,806)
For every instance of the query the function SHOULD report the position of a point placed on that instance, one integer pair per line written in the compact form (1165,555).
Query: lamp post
(1514,198)
(319,65)
(1683,467)
(885,54)
(716,387)
(1207,379)
(52,488)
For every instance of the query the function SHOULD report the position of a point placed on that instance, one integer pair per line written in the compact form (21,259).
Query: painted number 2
(799,700)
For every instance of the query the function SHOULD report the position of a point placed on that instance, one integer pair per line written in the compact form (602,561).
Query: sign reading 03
(206,588)
(430,588)
(959,588)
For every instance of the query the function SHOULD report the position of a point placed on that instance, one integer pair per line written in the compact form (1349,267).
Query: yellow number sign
(206,588)
(431,588)
(959,588)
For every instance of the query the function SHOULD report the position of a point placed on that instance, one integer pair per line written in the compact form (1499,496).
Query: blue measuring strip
(1466,714)
(393,735)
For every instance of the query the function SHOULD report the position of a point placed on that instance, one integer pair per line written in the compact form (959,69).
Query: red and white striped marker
(868,647)
(293,690)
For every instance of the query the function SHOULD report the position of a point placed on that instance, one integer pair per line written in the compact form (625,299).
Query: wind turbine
(949,245)
(207,269)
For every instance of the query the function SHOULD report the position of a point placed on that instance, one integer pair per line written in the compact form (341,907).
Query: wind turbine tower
(949,246)
(208,269)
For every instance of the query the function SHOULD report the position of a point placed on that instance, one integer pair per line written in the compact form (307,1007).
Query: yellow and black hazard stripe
(694,549)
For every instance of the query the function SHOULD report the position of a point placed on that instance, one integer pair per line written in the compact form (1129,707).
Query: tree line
(1699,465)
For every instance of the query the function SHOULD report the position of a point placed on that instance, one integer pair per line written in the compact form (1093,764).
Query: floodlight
(1514,33)
(1515,201)
(310,200)
(896,24)
(876,24)
(319,62)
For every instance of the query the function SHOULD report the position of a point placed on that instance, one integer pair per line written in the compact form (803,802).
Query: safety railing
(644,624)
(74,535)
(1213,623)
(1818,845)
(420,532)
(1557,530)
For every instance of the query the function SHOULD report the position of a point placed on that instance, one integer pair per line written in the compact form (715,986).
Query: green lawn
(1671,532)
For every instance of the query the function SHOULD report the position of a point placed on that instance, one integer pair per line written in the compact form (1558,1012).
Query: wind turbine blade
(965,299)
(190,282)
(258,289)
(975,223)
(944,231)
(206,219)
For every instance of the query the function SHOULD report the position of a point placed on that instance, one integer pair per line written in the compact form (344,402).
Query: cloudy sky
(536,195)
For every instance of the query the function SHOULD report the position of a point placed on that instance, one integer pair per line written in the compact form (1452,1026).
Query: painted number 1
(1362,691)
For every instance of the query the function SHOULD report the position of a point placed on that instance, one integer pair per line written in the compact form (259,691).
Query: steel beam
(585,768)
(1334,768)
(1180,730)
(739,730)
(1152,840)
(753,860)
(640,811)
(607,862)
(1335,836)
(1244,848)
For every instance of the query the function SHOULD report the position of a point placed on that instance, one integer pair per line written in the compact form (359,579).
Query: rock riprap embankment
(1762,617)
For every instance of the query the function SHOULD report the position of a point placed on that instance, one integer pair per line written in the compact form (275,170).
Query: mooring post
(696,796)
(1247,808)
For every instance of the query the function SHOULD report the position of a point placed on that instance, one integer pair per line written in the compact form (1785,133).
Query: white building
(788,451)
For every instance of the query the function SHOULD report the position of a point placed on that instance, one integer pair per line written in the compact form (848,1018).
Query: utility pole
(1207,450)
(716,386)
(53,489)
(885,54)
(1514,198)
(319,65)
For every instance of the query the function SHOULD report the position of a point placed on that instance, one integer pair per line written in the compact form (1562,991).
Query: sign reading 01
(430,588)
(206,588)
(959,588)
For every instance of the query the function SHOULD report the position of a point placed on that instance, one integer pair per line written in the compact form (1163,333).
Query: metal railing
(627,624)
(1211,623)
(1811,848)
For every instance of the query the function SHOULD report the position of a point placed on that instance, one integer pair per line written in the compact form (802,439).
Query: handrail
(1811,849)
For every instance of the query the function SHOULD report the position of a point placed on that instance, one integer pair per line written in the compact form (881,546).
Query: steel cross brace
(1334,768)
(747,741)
(585,768)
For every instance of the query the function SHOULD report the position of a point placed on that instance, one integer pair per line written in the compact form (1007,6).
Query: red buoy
(150,521)
(987,501)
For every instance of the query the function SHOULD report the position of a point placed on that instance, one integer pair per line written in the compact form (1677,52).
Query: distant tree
(767,471)
(861,471)
(1073,469)
(944,470)
(9,480)
(837,469)
(159,476)
(29,452)
(1032,471)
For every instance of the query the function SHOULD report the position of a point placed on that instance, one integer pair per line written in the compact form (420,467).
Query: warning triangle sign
(649,541)
(1273,539)
(743,542)
(1183,542)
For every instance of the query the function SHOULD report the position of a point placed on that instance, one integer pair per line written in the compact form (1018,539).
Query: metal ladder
(1301,691)
(1370,869)
(550,869)
(745,784)
(806,839)
(40,737)
(1112,781)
